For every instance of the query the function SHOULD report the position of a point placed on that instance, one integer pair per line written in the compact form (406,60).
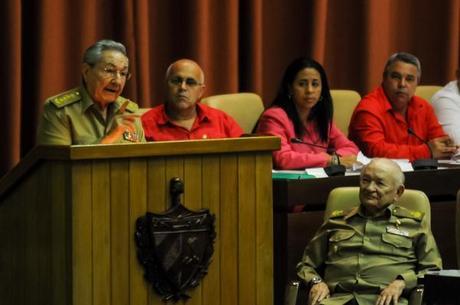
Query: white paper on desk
(361,158)
(456,156)
(404,164)
(317,172)
(274,171)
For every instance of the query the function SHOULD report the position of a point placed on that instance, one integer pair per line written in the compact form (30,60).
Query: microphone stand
(421,164)
(331,170)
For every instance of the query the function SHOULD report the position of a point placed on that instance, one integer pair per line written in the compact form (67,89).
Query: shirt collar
(201,113)
(359,210)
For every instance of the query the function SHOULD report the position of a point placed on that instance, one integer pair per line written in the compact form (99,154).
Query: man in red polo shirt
(392,122)
(182,117)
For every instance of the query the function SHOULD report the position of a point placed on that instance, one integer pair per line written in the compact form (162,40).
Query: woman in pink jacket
(301,115)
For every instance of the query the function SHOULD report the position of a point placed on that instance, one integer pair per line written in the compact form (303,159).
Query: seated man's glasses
(189,82)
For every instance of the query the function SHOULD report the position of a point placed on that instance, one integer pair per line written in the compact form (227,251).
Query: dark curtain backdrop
(242,45)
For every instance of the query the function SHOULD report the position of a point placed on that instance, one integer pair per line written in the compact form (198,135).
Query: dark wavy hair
(321,113)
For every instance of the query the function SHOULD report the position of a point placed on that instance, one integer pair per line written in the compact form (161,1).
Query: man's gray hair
(404,57)
(93,54)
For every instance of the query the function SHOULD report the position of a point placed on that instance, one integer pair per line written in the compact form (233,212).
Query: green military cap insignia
(66,98)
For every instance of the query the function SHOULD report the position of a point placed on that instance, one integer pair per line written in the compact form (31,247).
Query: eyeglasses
(109,72)
(189,82)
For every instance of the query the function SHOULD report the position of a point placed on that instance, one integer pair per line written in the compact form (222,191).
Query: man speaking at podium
(182,117)
(392,122)
(94,113)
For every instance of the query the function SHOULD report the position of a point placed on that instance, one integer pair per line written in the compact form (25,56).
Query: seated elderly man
(446,104)
(182,117)
(392,122)
(94,113)
(373,253)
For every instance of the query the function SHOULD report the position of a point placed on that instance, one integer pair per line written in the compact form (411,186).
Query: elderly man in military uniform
(94,113)
(374,253)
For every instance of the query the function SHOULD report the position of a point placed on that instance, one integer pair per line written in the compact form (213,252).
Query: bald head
(389,166)
(381,184)
(186,64)
(184,88)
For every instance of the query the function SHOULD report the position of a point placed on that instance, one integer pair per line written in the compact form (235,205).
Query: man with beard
(94,112)
(392,122)
(372,254)
(182,117)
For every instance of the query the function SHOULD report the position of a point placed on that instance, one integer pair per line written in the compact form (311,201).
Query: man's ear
(202,89)
(399,192)
(84,70)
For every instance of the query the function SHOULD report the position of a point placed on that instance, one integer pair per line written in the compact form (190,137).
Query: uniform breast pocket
(340,241)
(396,243)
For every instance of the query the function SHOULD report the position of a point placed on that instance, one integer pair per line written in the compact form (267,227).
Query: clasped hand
(442,147)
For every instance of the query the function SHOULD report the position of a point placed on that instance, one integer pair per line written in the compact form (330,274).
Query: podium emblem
(175,247)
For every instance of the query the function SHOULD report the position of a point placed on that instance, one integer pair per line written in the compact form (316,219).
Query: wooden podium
(67,220)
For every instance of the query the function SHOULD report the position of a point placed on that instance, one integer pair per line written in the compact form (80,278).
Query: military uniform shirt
(361,255)
(72,118)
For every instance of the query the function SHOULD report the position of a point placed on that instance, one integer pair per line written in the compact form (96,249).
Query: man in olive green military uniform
(95,112)
(374,253)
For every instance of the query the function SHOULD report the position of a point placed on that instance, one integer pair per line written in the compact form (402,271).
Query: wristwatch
(315,280)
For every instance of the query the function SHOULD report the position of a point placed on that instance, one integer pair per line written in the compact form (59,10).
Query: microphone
(300,141)
(331,170)
(423,163)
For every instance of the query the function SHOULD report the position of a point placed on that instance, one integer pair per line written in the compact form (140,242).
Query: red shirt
(380,132)
(210,123)
(276,122)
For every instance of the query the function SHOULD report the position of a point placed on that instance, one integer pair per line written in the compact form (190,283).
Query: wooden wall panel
(246,229)
(120,232)
(264,229)
(12,254)
(31,242)
(157,189)
(211,200)
(138,207)
(82,234)
(192,200)
(229,230)
(61,233)
(157,186)
(101,232)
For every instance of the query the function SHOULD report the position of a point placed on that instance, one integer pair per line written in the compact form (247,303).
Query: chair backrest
(344,102)
(344,198)
(427,92)
(245,108)
(457,227)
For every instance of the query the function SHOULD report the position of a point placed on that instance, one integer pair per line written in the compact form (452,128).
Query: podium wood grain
(67,220)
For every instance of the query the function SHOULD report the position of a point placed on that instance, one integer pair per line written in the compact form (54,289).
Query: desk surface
(439,185)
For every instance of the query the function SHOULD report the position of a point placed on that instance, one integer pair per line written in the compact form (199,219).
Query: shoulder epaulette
(66,98)
(408,213)
(337,213)
(132,106)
